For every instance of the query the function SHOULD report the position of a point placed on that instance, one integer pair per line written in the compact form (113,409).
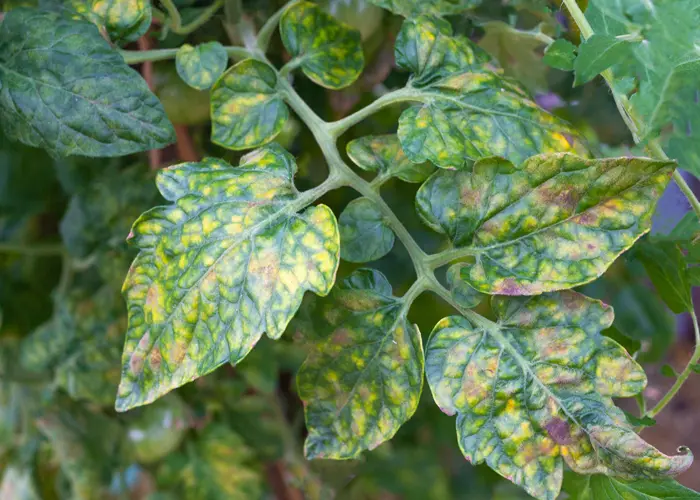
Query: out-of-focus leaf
(260,368)
(518,52)
(412,8)
(157,430)
(535,389)
(328,51)
(66,90)
(560,55)
(598,486)
(202,65)
(17,484)
(383,154)
(462,292)
(554,222)
(364,233)
(246,110)
(666,66)
(666,267)
(183,104)
(365,380)
(228,260)
(358,14)
(467,110)
(598,53)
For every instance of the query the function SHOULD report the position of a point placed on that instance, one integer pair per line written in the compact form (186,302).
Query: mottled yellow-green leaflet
(124,20)
(202,65)
(411,8)
(535,390)
(219,468)
(554,222)
(229,259)
(364,234)
(462,293)
(246,110)
(383,154)
(468,110)
(329,52)
(364,381)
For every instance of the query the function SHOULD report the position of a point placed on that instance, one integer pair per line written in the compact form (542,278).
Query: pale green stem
(140,56)
(623,106)
(175,20)
(291,66)
(268,29)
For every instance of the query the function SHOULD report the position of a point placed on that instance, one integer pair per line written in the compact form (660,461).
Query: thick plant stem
(689,369)
(140,56)
(623,106)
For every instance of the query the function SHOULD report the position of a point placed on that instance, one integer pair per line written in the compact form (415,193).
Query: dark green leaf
(228,260)
(554,222)
(365,380)
(644,421)
(411,8)
(535,390)
(246,110)
(202,65)
(383,154)
(598,53)
(462,293)
(467,110)
(65,89)
(668,371)
(599,487)
(560,55)
(666,267)
(364,234)
(328,51)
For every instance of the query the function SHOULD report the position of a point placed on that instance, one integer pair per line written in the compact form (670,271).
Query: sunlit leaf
(468,110)
(364,233)
(411,8)
(535,390)
(228,260)
(554,222)
(246,110)
(598,53)
(202,65)
(598,486)
(364,382)
(383,154)
(329,52)
(63,88)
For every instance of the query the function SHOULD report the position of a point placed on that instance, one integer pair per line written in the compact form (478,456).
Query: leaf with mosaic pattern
(364,381)
(202,65)
(364,234)
(124,20)
(554,222)
(95,105)
(383,154)
(246,110)
(467,109)
(535,390)
(328,51)
(412,8)
(228,260)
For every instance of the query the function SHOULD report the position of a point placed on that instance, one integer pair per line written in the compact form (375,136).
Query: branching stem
(175,20)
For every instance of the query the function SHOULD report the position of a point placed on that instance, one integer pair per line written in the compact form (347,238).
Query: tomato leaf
(600,486)
(667,269)
(412,8)
(554,222)
(364,234)
(364,382)
(329,52)
(246,110)
(560,55)
(202,65)
(63,88)
(383,154)
(535,390)
(598,53)
(229,259)
(467,110)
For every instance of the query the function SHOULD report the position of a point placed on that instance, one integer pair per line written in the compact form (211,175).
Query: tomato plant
(493,222)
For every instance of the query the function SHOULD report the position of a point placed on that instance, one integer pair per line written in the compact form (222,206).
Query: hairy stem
(623,106)
(175,20)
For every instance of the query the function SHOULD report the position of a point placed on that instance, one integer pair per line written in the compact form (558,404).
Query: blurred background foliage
(237,433)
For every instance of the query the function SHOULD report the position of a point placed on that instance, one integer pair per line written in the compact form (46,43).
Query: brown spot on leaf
(155,358)
(559,430)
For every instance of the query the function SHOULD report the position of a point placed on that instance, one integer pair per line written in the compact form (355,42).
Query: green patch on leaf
(383,154)
(554,222)
(228,260)
(63,88)
(202,65)
(535,390)
(468,110)
(328,51)
(364,381)
(246,110)
(412,8)
(364,234)
(560,55)
(598,53)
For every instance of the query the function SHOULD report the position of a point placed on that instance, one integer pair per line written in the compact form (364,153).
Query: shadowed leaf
(364,234)
(383,154)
